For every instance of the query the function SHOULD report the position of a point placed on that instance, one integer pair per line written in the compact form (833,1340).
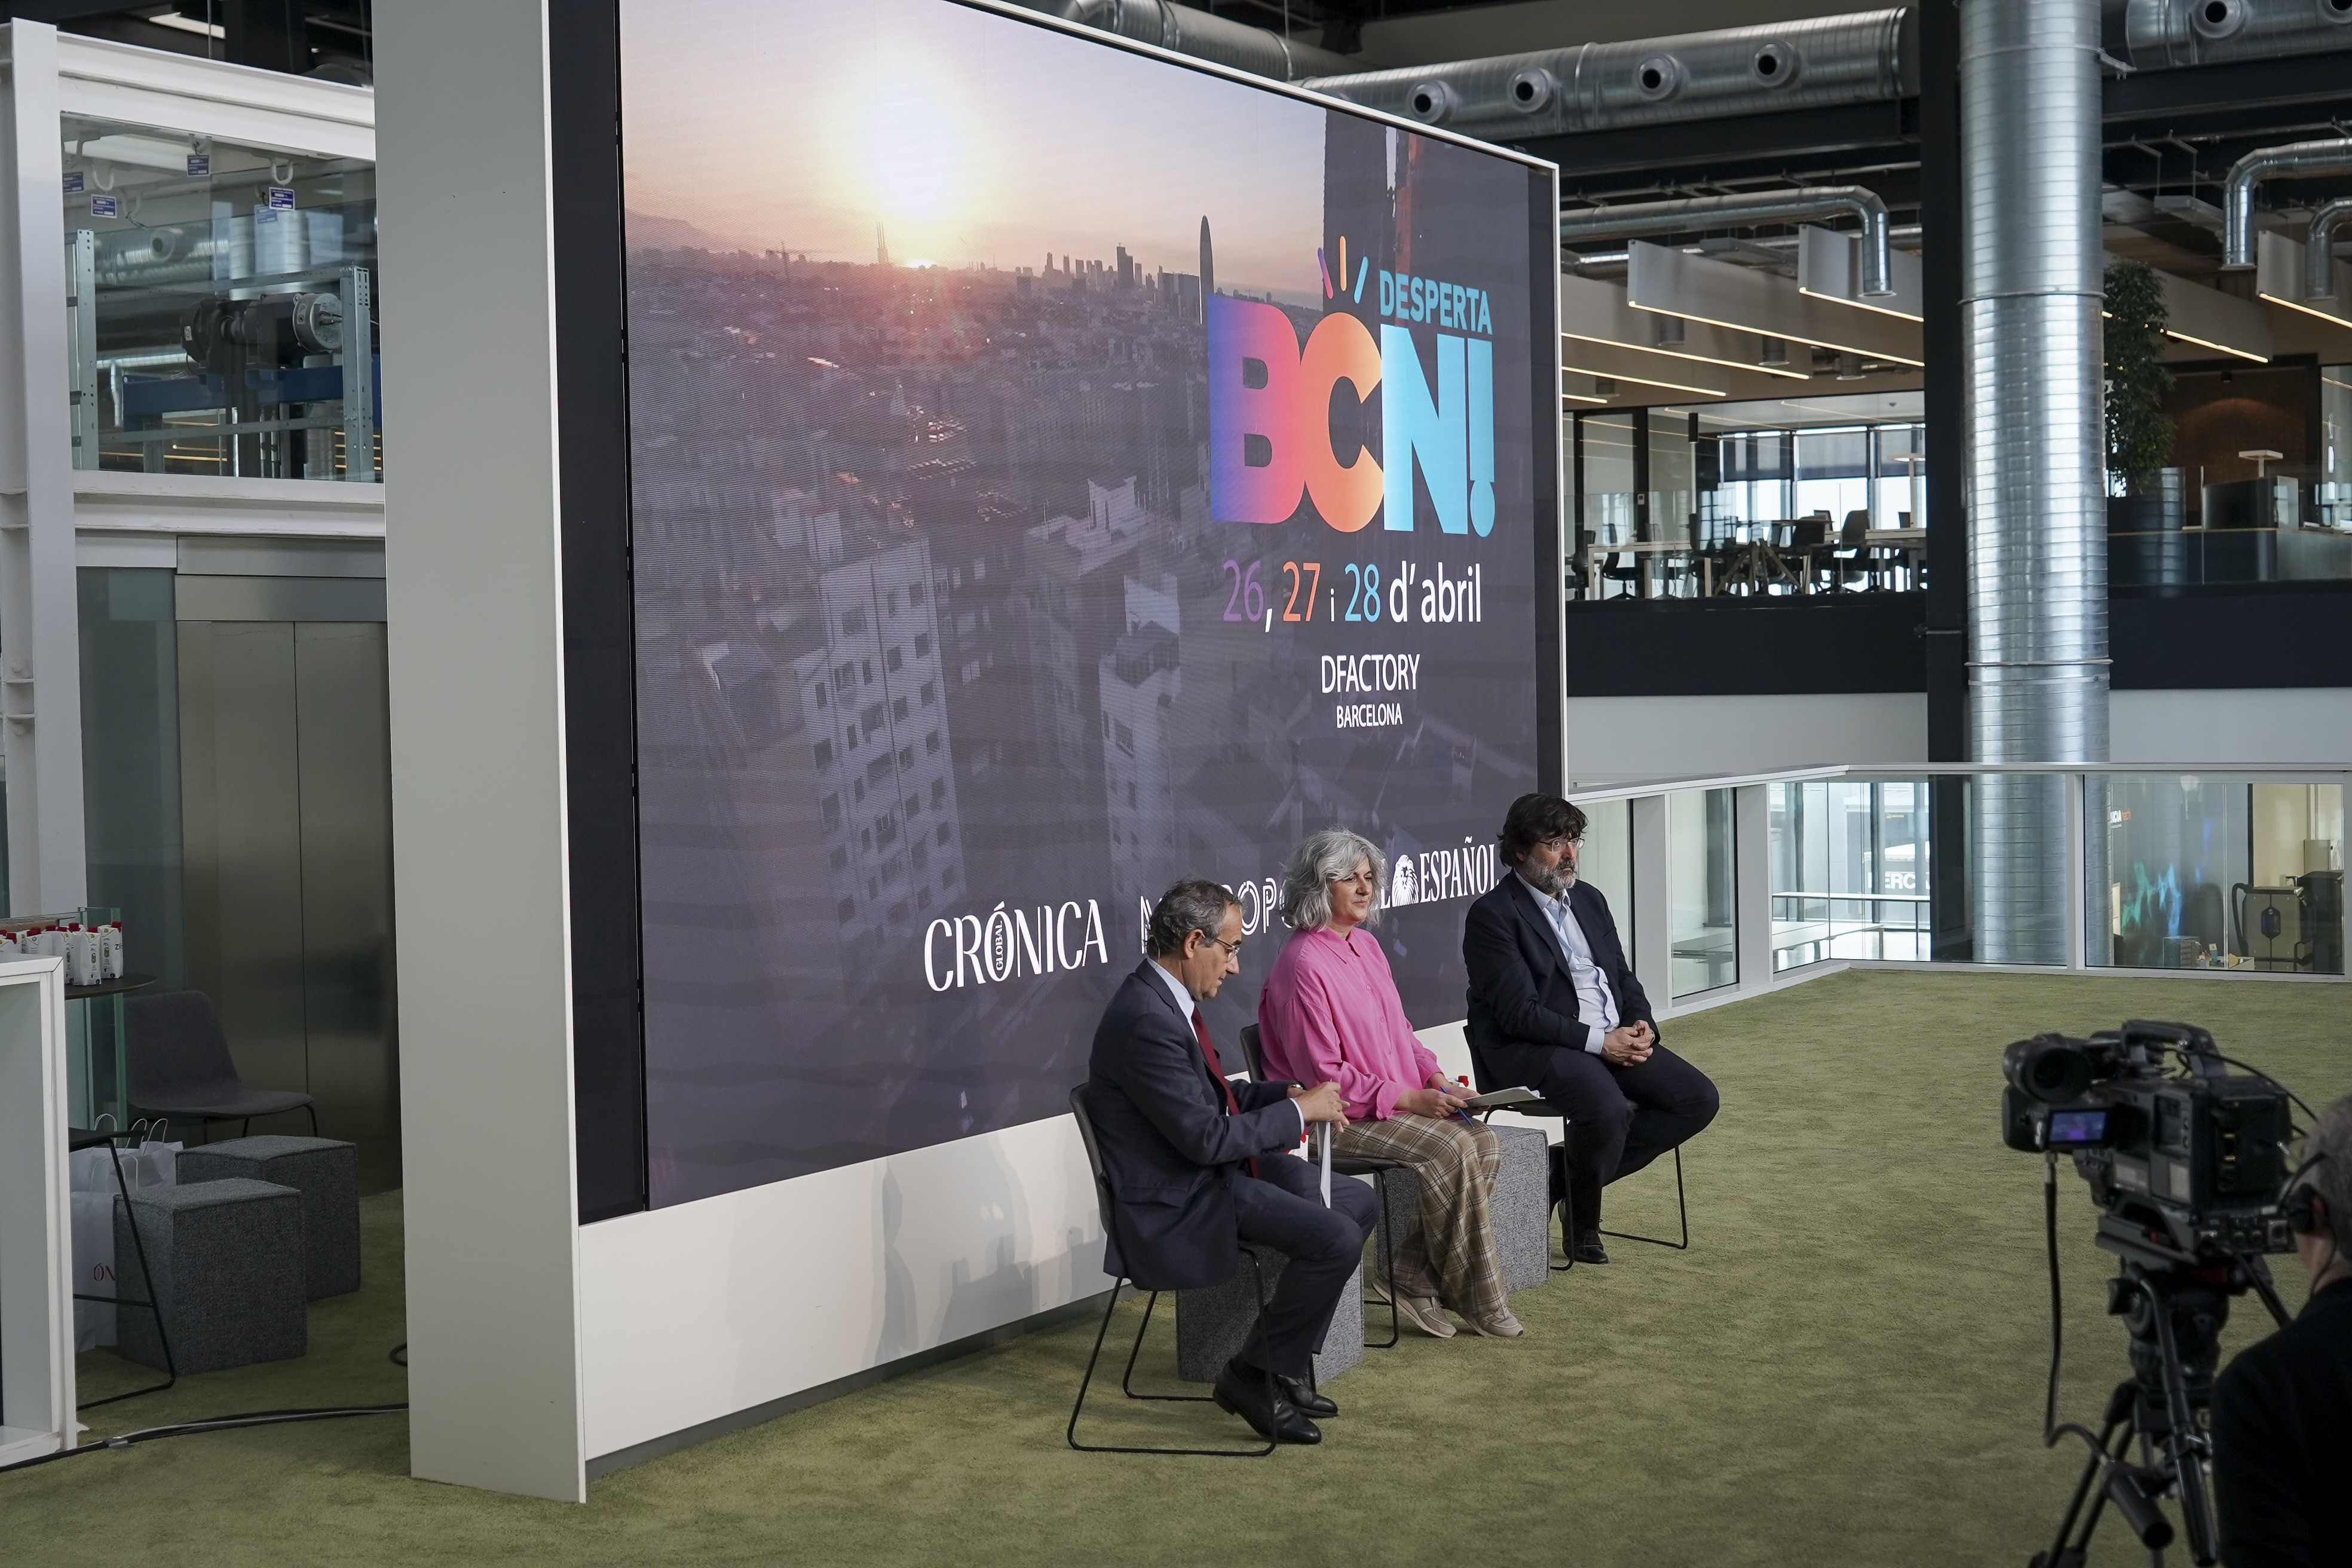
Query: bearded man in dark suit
(1554,1007)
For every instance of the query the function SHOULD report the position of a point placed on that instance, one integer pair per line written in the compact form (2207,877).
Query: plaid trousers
(1450,1252)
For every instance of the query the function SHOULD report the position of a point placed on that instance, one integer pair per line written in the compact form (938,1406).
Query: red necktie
(1209,1055)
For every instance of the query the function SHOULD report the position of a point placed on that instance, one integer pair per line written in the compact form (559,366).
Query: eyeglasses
(1233,949)
(1561,843)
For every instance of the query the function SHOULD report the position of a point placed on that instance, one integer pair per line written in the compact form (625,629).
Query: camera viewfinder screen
(2078,1128)
(1056,471)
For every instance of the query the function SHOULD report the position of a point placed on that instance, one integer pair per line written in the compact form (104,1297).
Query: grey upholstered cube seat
(325,1171)
(1520,1210)
(1212,1322)
(1521,1207)
(226,1261)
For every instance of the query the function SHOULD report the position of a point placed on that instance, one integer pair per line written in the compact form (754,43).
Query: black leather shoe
(1241,1390)
(1303,1398)
(1589,1248)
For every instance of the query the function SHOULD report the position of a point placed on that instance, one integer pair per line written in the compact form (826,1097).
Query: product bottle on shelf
(110,966)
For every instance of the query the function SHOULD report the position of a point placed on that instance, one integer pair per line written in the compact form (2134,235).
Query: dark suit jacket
(1520,994)
(1169,1148)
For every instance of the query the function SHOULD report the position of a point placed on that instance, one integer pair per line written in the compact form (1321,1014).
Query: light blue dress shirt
(1593,999)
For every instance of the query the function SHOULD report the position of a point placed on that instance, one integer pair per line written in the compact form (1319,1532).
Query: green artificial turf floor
(1845,1368)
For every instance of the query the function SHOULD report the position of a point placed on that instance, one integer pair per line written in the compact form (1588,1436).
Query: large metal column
(2030,295)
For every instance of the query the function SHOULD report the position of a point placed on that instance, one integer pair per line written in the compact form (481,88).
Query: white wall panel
(1617,738)
(691,1313)
(2273,725)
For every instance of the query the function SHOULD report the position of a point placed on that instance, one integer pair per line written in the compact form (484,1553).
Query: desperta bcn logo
(1270,398)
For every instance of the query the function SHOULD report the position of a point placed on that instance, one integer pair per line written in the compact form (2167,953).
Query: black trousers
(1619,1119)
(1282,1208)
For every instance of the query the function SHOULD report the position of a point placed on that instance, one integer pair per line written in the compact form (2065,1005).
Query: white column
(1751,893)
(40,645)
(36,1322)
(1653,882)
(472,582)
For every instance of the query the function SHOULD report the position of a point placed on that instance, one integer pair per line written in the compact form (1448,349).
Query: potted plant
(2145,505)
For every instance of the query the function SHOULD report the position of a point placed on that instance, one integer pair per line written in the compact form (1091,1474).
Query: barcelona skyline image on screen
(1055,470)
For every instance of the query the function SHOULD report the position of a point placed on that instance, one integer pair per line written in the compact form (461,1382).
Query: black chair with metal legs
(1681,1210)
(1370,1165)
(77,1139)
(1567,1209)
(180,1066)
(1126,1383)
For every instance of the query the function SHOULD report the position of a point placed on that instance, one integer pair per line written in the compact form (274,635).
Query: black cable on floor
(209,1423)
(398,1355)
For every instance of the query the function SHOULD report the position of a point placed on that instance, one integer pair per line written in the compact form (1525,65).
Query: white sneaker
(1501,1326)
(1421,1311)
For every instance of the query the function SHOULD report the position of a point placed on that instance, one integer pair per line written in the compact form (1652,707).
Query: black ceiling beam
(2240,94)
(1736,147)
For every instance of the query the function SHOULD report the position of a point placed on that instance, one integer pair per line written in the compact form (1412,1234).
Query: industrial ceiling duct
(2319,254)
(1867,56)
(2296,161)
(2201,32)
(2030,296)
(1181,29)
(1743,210)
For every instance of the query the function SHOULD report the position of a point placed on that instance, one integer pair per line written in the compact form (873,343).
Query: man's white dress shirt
(1186,1003)
(1593,999)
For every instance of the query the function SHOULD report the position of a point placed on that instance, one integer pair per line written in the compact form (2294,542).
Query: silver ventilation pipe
(2201,32)
(1743,209)
(2031,290)
(2296,161)
(2319,251)
(1181,29)
(1867,56)
(1616,263)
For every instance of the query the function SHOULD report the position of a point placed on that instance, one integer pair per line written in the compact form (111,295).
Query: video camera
(2186,1165)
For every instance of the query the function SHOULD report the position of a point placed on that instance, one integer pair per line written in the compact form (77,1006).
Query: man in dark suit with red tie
(1198,1165)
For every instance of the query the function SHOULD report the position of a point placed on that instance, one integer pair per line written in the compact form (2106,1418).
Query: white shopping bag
(95,1189)
(144,1164)
(158,1165)
(93,1265)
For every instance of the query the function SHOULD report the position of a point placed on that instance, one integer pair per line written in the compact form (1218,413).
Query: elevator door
(285,810)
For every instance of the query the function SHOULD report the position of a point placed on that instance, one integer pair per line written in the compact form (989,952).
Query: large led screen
(1055,470)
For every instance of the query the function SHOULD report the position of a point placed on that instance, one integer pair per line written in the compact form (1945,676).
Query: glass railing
(1727,883)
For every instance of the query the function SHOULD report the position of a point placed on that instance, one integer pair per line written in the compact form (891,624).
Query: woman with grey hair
(1329,1014)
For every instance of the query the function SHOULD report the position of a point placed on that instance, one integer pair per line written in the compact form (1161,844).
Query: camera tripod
(2175,1313)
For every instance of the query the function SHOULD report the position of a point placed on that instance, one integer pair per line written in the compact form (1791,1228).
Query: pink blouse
(1330,1013)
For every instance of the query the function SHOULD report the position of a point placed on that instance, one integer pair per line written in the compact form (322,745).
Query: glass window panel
(1607,441)
(2334,484)
(1672,498)
(219,306)
(1848,864)
(1606,860)
(1701,890)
